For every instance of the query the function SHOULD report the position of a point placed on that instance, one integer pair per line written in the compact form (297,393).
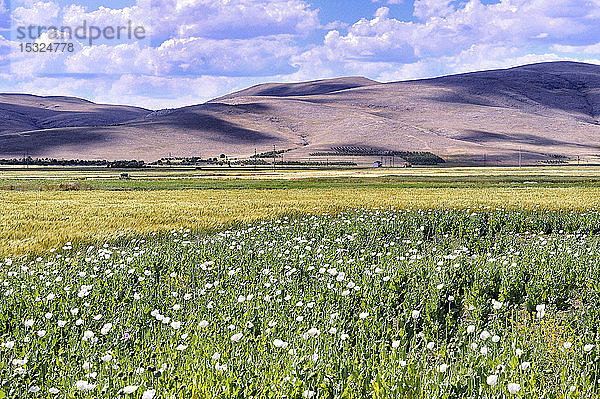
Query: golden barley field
(34,221)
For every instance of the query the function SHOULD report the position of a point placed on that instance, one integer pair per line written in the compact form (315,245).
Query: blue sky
(350,11)
(195,50)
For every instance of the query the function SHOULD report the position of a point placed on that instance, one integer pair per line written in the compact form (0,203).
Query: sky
(195,50)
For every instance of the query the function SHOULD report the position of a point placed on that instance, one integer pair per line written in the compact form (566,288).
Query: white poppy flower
(513,388)
(237,337)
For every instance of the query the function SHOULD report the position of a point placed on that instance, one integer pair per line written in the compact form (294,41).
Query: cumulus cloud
(591,49)
(119,59)
(391,2)
(201,37)
(229,57)
(39,13)
(453,37)
(139,15)
(425,9)
(233,19)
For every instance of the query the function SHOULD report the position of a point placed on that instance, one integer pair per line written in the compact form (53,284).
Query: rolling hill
(545,112)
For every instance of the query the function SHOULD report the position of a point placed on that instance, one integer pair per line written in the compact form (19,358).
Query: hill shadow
(200,122)
(485,137)
(38,142)
(232,109)
(306,90)
(15,115)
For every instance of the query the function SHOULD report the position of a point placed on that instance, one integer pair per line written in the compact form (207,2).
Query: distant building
(377,164)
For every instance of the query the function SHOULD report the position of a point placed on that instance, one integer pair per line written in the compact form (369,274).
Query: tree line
(133,164)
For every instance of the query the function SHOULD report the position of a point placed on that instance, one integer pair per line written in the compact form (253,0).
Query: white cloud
(139,15)
(157,92)
(233,19)
(39,13)
(390,2)
(425,9)
(228,57)
(118,59)
(591,49)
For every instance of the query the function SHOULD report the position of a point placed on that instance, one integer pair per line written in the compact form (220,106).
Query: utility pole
(520,157)
(273,157)
(577,160)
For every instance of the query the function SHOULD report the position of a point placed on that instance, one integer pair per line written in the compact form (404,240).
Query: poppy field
(381,303)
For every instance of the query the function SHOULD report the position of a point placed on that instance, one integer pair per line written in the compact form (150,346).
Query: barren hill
(20,112)
(302,89)
(545,112)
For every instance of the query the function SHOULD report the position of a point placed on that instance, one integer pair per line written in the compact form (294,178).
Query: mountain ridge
(537,112)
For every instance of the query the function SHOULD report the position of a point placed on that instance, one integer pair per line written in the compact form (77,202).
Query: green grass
(177,178)
(407,181)
(369,303)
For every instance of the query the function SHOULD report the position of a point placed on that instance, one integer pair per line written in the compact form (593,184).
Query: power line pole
(273,157)
(520,157)
(255,159)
